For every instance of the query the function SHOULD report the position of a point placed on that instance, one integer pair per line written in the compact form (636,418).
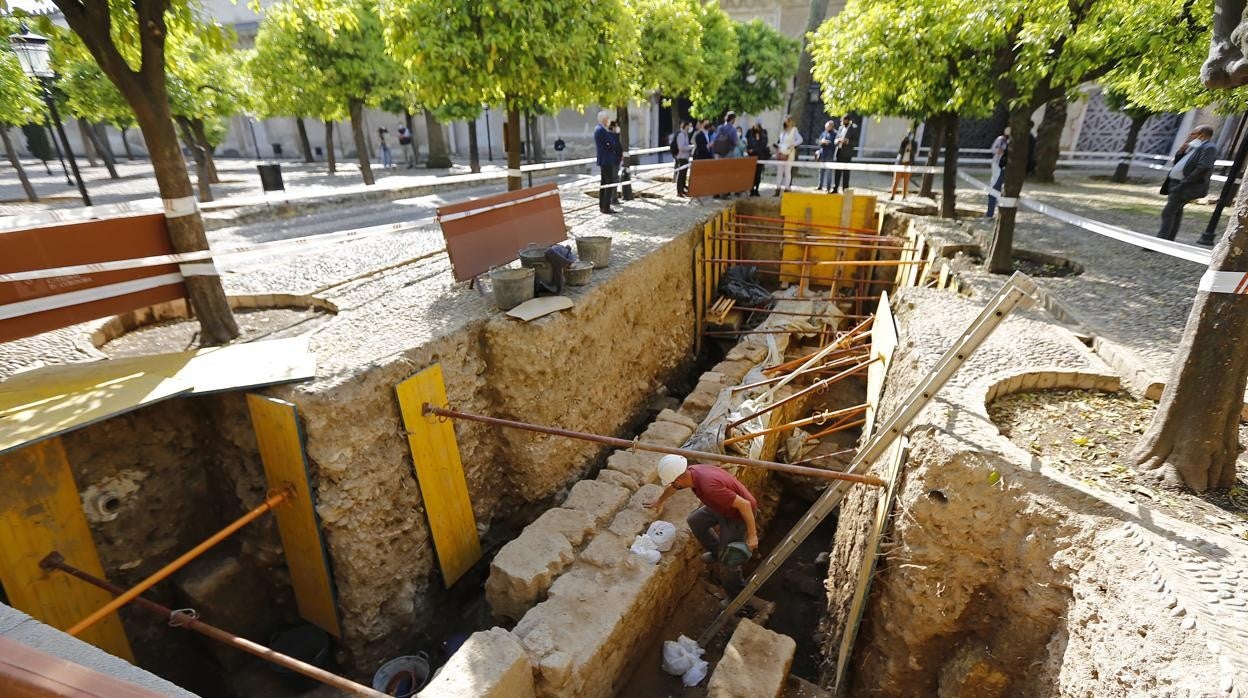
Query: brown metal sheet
(488,232)
(722,176)
(83,243)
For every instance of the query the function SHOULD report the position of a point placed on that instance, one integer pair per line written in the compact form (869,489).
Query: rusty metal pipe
(132,593)
(820,419)
(835,428)
(182,619)
(817,386)
(854,357)
(655,448)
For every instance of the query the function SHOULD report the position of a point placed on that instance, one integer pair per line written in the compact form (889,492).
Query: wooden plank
(698,297)
(721,176)
(443,487)
(41,511)
(50,401)
(489,231)
(280,439)
(29,673)
(711,280)
(884,339)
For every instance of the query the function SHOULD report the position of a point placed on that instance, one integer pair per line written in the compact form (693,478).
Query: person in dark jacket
(756,145)
(827,153)
(1188,179)
(702,141)
(606,147)
(846,136)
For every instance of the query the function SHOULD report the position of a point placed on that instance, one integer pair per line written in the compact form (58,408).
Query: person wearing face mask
(1188,179)
(683,148)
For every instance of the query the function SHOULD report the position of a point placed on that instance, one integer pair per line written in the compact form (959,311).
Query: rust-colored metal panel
(722,176)
(28,307)
(489,231)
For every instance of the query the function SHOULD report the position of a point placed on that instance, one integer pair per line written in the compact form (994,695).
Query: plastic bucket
(402,676)
(594,248)
(578,274)
(511,286)
(534,257)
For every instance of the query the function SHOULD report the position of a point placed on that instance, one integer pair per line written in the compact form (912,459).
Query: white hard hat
(671,467)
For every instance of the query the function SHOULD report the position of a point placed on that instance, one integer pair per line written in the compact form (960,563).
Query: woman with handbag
(786,151)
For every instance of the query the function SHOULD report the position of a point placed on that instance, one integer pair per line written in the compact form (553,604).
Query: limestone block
(666,434)
(607,550)
(572,524)
(735,370)
(598,499)
(491,664)
(698,403)
(616,477)
(673,416)
(523,570)
(755,664)
(630,522)
(645,495)
(753,353)
(639,465)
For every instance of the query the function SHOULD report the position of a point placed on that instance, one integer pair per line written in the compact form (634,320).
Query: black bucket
(307,643)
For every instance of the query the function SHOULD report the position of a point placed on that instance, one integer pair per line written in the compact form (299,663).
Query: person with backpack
(756,146)
(681,150)
(725,140)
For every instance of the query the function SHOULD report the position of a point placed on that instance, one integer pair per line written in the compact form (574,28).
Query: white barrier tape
(514,173)
(478,211)
(98,267)
(199,269)
(181,207)
(855,166)
(1224,282)
(1169,247)
(1007,202)
(86,295)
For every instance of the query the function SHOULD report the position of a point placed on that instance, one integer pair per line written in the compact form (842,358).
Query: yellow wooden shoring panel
(435,454)
(943,280)
(699,302)
(41,511)
(906,255)
(276,423)
(711,280)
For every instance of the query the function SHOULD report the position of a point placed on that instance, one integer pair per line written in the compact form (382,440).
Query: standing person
(905,158)
(726,519)
(681,156)
(738,151)
(827,153)
(607,159)
(786,152)
(998,152)
(405,143)
(1188,179)
(845,137)
(614,128)
(702,141)
(1000,179)
(725,139)
(756,145)
(384,148)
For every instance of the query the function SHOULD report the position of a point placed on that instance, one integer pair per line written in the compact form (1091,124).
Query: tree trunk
(621,117)
(439,156)
(125,143)
(17,164)
(304,145)
(411,134)
(474,153)
(1001,249)
(1194,436)
(949,177)
(203,175)
(535,138)
(1133,136)
(201,139)
(675,118)
(99,137)
(937,126)
(801,85)
(1049,138)
(513,148)
(88,144)
(331,160)
(361,145)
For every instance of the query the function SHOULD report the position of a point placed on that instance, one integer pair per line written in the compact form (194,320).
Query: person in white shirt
(998,151)
(786,149)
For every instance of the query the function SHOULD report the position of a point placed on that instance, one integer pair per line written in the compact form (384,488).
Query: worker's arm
(743,507)
(657,504)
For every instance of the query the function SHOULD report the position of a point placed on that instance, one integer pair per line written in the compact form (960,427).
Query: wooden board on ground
(41,512)
(31,307)
(489,231)
(534,308)
(435,455)
(27,672)
(280,439)
(721,176)
(53,400)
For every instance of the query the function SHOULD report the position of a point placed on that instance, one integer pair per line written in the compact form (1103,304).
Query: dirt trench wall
(591,369)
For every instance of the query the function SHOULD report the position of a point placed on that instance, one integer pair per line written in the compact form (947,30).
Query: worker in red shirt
(726,505)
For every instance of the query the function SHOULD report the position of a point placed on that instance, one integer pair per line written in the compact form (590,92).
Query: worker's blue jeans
(703,522)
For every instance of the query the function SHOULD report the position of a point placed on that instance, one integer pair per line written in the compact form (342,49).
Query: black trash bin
(271,177)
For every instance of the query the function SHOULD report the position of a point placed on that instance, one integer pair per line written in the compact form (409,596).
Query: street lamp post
(32,52)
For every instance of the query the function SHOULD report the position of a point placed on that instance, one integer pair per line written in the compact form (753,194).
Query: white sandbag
(644,548)
(676,658)
(696,673)
(662,534)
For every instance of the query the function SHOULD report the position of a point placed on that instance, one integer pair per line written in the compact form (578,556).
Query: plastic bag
(680,656)
(644,548)
(696,673)
(662,534)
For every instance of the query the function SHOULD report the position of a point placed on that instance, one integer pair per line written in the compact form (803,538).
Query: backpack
(674,146)
(721,145)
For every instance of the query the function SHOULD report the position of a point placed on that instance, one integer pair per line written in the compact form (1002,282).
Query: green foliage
(766,61)
(671,45)
(283,82)
(20,101)
(906,58)
(532,55)
(719,51)
(205,77)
